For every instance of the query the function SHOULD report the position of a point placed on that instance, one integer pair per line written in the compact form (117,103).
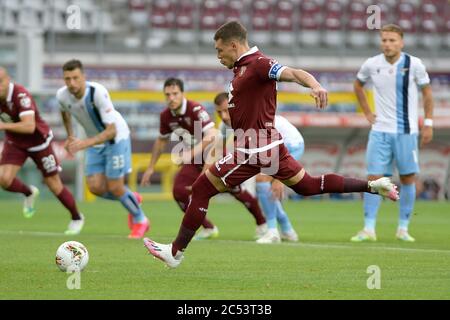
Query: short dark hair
(221,97)
(174,82)
(231,30)
(392,28)
(72,65)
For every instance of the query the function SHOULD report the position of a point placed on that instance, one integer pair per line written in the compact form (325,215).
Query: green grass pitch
(323,265)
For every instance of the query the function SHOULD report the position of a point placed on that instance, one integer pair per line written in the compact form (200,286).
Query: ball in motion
(72,256)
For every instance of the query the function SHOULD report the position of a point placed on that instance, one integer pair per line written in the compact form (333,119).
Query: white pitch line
(299,244)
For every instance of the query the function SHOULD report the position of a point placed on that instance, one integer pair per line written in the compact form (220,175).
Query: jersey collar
(10,92)
(183,109)
(249,52)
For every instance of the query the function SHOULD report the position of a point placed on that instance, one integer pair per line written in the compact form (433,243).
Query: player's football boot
(28,203)
(403,235)
(163,252)
(75,226)
(290,236)
(385,188)
(271,236)
(260,231)
(207,233)
(130,216)
(139,229)
(364,235)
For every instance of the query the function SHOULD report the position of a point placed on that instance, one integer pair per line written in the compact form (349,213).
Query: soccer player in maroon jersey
(258,145)
(181,117)
(27,135)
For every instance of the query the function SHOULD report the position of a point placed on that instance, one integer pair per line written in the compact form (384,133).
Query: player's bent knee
(6,180)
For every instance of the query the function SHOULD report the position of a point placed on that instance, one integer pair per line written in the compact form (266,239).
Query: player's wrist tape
(428,122)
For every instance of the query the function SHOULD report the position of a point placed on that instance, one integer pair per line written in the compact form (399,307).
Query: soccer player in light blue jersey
(396,77)
(108,144)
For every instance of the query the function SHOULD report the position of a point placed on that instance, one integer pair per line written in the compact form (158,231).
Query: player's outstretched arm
(307,80)
(108,134)
(158,148)
(26,125)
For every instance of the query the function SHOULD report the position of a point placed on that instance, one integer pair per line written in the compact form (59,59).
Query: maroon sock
(66,198)
(182,197)
(329,183)
(19,186)
(251,203)
(202,191)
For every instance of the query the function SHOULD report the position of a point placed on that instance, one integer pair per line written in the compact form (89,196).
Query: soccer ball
(72,256)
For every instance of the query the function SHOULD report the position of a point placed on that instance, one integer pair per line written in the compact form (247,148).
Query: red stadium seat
(211,18)
(283,25)
(309,23)
(184,21)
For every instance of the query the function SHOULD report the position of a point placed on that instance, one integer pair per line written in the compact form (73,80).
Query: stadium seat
(309,23)
(138,14)
(211,18)
(332,26)
(184,22)
(236,10)
(9,22)
(283,26)
(161,23)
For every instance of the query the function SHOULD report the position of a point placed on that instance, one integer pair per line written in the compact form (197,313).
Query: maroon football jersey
(253,97)
(189,124)
(20,102)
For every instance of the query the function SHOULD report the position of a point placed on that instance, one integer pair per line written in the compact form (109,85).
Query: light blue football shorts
(296,150)
(384,148)
(113,160)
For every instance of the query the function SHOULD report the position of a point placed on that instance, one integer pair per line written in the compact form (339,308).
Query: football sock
(19,186)
(202,191)
(108,196)
(329,183)
(66,198)
(182,196)
(407,198)
(282,218)
(264,193)
(251,203)
(130,202)
(371,205)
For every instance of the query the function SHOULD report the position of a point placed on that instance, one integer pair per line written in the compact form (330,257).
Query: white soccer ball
(72,256)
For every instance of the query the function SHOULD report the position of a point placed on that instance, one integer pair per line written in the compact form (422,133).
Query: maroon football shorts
(45,160)
(187,175)
(237,167)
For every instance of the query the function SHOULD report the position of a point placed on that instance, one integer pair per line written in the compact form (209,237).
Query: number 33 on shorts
(118,162)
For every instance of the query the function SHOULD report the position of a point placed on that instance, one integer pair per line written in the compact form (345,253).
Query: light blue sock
(108,196)
(264,194)
(130,202)
(283,218)
(371,205)
(407,199)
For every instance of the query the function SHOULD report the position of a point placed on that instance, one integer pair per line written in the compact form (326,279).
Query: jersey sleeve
(104,105)
(420,74)
(364,72)
(164,129)
(269,69)
(60,99)
(201,115)
(24,103)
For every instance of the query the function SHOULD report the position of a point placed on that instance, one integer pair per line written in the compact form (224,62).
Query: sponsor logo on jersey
(203,116)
